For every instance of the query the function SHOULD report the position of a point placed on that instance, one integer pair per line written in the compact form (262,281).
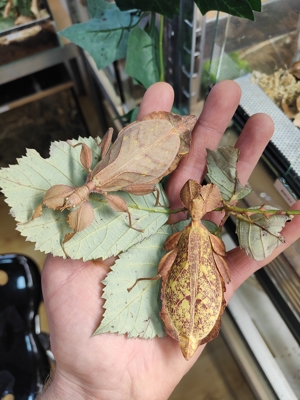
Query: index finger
(159,97)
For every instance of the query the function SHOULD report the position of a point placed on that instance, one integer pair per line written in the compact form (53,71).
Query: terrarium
(26,28)
(263,57)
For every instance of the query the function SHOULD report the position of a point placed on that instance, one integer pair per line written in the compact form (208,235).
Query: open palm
(110,366)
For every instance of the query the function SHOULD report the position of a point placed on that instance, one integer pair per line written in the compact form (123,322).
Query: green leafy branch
(110,233)
(138,252)
(258,230)
(239,211)
(127,29)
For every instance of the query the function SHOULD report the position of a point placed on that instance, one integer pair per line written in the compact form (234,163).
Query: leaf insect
(193,273)
(143,153)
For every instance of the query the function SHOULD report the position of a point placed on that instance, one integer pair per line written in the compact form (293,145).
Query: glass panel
(264,59)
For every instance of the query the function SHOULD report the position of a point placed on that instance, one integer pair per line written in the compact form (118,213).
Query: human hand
(112,367)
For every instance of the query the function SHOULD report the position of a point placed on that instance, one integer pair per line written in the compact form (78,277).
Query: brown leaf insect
(143,153)
(193,274)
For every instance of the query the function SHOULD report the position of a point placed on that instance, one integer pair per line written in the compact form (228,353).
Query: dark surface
(36,124)
(23,362)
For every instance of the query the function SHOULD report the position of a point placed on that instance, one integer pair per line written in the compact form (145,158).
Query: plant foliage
(126,30)
(108,235)
(135,313)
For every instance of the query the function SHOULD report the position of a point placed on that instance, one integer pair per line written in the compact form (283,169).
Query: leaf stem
(158,209)
(160,45)
(155,209)
(152,23)
(250,211)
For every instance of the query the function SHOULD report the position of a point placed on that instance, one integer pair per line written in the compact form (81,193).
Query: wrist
(61,387)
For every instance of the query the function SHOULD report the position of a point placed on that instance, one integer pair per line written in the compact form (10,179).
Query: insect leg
(105,143)
(86,155)
(117,203)
(130,223)
(164,266)
(142,189)
(219,254)
(78,220)
(155,278)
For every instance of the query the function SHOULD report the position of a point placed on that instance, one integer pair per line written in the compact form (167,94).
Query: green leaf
(25,185)
(165,7)
(222,171)
(6,23)
(136,313)
(105,36)
(134,114)
(130,116)
(261,234)
(255,4)
(238,8)
(110,233)
(24,7)
(176,110)
(210,226)
(141,60)
(98,6)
